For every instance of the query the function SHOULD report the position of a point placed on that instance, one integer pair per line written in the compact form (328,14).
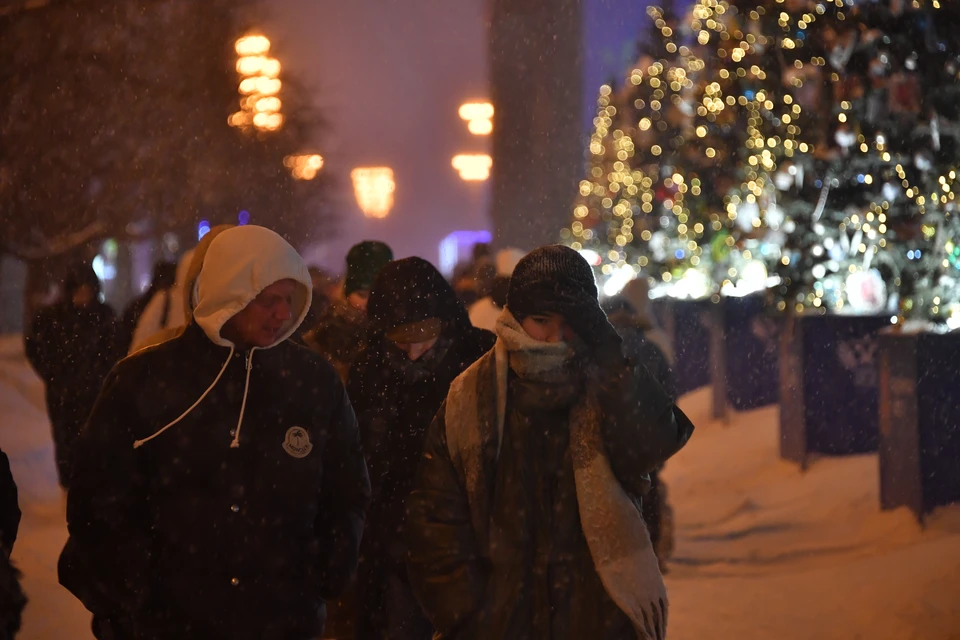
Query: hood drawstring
(236,440)
(243,405)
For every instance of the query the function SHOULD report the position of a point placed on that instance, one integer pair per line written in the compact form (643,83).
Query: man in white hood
(220,487)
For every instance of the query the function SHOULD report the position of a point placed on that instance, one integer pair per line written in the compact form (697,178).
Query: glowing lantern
(252,45)
(304,167)
(259,108)
(473,168)
(374,188)
(479,117)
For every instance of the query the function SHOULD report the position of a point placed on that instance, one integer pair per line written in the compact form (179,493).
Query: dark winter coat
(396,399)
(187,528)
(9,506)
(72,349)
(538,580)
(12,599)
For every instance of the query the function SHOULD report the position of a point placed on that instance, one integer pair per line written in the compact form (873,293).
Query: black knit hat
(554,279)
(364,262)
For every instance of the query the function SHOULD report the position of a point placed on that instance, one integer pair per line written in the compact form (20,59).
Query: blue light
(203,229)
(243,217)
(910,254)
(819,183)
(679,254)
(749,94)
(861,178)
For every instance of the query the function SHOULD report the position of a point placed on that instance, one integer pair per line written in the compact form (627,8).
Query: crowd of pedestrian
(254,450)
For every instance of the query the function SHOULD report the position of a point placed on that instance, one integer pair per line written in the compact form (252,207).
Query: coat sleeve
(446,569)
(642,426)
(106,560)
(344,498)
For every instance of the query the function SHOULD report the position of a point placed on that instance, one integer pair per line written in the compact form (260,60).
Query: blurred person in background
(319,304)
(169,312)
(473,280)
(340,333)
(485,311)
(637,293)
(524,520)
(72,345)
(164,276)
(420,340)
(634,328)
(165,308)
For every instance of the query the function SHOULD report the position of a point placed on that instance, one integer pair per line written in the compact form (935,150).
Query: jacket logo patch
(297,442)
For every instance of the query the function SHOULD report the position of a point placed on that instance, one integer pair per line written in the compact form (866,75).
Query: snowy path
(763,551)
(767,552)
(52,613)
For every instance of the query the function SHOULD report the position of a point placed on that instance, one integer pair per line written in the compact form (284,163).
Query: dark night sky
(390,76)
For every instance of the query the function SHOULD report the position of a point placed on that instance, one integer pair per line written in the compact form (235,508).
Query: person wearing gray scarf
(524,520)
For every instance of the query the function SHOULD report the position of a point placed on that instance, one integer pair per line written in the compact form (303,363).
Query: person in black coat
(420,340)
(72,345)
(164,276)
(340,332)
(220,488)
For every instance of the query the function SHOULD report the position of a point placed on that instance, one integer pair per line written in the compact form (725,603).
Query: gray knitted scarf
(612,524)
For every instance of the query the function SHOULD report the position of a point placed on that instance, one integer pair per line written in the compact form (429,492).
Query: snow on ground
(764,552)
(52,613)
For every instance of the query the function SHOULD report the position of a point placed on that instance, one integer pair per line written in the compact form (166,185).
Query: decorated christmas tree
(880,234)
(686,156)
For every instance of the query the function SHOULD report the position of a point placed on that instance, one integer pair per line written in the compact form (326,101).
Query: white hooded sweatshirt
(240,263)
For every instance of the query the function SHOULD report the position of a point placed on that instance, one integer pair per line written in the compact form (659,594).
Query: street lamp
(479,117)
(374,188)
(473,167)
(259,85)
(305,166)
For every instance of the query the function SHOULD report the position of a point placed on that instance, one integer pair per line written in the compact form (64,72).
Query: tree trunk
(536,81)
